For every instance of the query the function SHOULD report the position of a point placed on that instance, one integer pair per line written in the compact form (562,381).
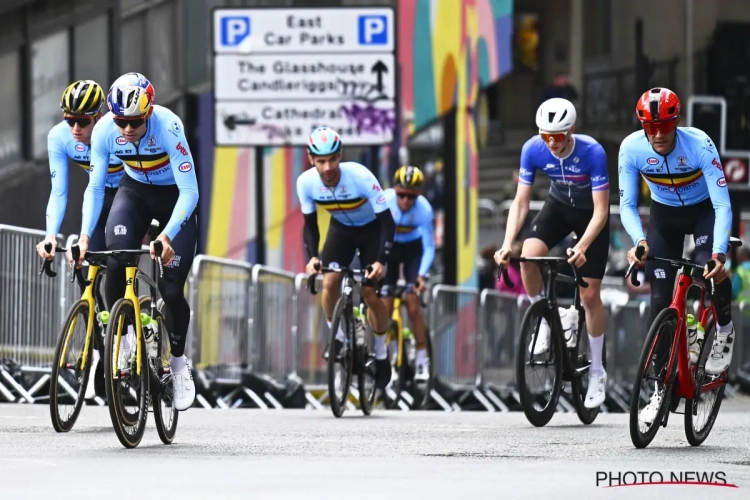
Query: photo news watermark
(613,479)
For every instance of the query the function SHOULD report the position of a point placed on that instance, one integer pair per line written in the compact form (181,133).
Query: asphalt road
(228,454)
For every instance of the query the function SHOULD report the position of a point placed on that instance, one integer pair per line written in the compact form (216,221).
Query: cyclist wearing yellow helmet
(81,103)
(414,248)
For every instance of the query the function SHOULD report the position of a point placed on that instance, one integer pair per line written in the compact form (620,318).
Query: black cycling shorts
(342,243)
(410,255)
(557,220)
(135,205)
(98,242)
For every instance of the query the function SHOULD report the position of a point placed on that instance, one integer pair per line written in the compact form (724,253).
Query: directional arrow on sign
(232,121)
(379,68)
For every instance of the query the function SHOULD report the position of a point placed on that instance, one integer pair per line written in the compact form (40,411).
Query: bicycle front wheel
(366,372)
(70,373)
(539,376)
(580,383)
(162,386)
(126,382)
(340,363)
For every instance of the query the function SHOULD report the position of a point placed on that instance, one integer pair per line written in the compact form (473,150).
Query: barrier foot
(483,400)
(7,394)
(496,400)
(273,401)
(256,399)
(39,384)
(439,400)
(312,401)
(18,387)
(202,401)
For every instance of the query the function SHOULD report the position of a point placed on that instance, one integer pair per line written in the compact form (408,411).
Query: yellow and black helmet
(408,177)
(84,97)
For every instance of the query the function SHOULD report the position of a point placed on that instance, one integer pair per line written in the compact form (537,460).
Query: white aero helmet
(556,115)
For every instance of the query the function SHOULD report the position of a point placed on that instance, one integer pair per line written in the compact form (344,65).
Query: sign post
(281,73)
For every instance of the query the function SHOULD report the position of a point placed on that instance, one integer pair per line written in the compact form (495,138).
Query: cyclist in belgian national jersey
(578,202)
(81,103)
(360,220)
(414,247)
(159,184)
(688,196)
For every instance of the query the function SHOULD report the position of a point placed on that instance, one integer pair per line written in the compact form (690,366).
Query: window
(131,45)
(91,51)
(162,54)
(597,28)
(50,75)
(129,4)
(10,103)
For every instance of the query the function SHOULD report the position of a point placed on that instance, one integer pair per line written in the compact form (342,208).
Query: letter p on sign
(234,29)
(373,30)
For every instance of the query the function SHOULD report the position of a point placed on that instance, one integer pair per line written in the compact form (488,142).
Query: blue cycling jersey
(60,147)
(574,177)
(353,202)
(413,224)
(162,158)
(688,175)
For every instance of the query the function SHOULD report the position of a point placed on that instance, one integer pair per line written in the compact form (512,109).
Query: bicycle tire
(120,419)
(694,437)
(539,309)
(366,399)
(162,386)
(585,415)
(399,385)
(60,425)
(341,311)
(643,439)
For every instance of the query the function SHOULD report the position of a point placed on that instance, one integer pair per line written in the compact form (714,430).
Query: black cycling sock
(177,312)
(723,302)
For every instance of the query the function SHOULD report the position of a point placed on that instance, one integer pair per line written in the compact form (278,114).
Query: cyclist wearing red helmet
(689,196)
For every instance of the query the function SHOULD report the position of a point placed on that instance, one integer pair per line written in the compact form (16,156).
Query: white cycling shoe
(649,412)
(721,353)
(184,389)
(596,392)
(542,339)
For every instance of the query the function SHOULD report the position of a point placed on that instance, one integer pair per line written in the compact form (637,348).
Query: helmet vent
(551,115)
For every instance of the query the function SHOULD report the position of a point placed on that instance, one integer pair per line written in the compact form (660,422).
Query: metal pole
(689,50)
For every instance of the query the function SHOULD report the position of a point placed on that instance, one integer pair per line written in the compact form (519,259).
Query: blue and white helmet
(323,141)
(131,95)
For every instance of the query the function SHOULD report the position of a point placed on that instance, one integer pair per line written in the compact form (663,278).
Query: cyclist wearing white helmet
(159,183)
(360,220)
(578,202)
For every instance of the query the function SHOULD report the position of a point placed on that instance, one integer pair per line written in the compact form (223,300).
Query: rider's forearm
(311,235)
(387,232)
(516,217)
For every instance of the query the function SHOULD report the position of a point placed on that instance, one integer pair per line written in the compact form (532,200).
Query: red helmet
(658,104)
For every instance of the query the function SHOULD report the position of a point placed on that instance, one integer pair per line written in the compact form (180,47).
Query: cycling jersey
(353,202)
(414,224)
(688,175)
(574,177)
(60,147)
(161,158)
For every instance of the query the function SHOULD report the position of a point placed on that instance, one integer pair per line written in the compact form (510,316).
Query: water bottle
(410,345)
(149,331)
(359,327)
(696,333)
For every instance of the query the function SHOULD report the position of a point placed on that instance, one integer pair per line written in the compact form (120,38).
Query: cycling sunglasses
(664,127)
(407,196)
(133,122)
(82,121)
(557,136)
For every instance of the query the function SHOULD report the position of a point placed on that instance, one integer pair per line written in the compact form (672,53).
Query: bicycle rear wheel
(422,391)
(366,372)
(539,398)
(652,376)
(392,394)
(700,414)
(162,386)
(70,375)
(340,364)
(127,390)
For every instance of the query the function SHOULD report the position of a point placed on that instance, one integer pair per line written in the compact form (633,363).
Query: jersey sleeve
(306,202)
(628,179)
(428,239)
(528,169)
(599,172)
(373,192)
(58,169)
(717,190)
(93,198)
(181,161)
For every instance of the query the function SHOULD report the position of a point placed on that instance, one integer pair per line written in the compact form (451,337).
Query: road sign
(735,170)
(280,73)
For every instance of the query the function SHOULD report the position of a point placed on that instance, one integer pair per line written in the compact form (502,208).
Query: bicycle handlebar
(639,251)
(347,271)
(549,261)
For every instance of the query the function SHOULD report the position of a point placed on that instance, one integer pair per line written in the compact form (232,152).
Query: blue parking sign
(234,29)
(373,30)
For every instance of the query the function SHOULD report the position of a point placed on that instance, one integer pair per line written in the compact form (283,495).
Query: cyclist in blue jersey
(688,196)
(414,247)
(81,103)
(360,220)
(160,183)
(578,202)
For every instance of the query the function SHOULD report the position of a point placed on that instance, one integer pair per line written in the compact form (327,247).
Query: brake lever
(311,280)
(634,276)
(503,273)
(46,267)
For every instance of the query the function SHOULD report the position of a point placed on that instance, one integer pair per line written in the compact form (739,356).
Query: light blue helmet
(323,141)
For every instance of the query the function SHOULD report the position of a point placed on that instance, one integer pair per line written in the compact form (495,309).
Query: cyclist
(81,103)
(578,202)
(414,247)
(688,196)
(159,184)
(360,220)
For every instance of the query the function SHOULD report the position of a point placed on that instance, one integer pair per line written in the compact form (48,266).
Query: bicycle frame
(88,296)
